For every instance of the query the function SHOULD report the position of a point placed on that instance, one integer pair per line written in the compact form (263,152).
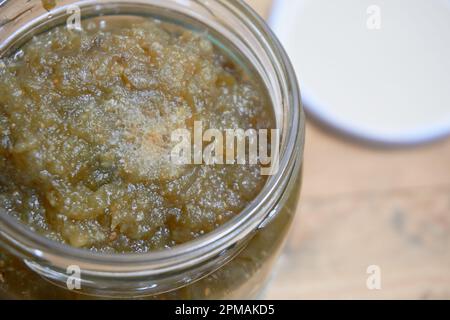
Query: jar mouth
(286,95)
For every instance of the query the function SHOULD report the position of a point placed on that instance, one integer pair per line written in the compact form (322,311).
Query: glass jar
(232,262)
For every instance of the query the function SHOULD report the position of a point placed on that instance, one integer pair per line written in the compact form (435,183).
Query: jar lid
(378,70)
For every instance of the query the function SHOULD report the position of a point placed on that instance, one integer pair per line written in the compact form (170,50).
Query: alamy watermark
(74,277)
(229,146)
(374,279)
(73,22)
(374,17)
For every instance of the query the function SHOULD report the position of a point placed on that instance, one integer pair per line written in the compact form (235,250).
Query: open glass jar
(235,260)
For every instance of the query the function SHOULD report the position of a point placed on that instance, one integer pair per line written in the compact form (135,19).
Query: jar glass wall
(233,261)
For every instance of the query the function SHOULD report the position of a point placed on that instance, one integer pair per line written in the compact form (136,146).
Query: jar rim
(213,243)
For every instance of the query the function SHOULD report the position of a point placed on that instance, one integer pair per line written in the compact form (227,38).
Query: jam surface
(85,135)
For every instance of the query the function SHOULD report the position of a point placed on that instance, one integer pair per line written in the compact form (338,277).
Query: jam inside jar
(122,225)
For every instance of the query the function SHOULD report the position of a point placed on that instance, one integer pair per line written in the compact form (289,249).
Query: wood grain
(364,205)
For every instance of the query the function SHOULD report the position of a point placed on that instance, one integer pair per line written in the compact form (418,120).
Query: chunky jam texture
(85,135)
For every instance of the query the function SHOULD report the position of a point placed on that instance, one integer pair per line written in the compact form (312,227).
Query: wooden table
(364,205)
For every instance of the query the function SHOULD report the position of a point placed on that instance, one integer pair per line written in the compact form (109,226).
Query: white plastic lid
(378,70)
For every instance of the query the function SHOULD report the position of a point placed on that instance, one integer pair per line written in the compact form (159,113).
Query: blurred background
(367,204)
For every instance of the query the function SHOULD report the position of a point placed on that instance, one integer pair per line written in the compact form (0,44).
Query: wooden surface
(361,206)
